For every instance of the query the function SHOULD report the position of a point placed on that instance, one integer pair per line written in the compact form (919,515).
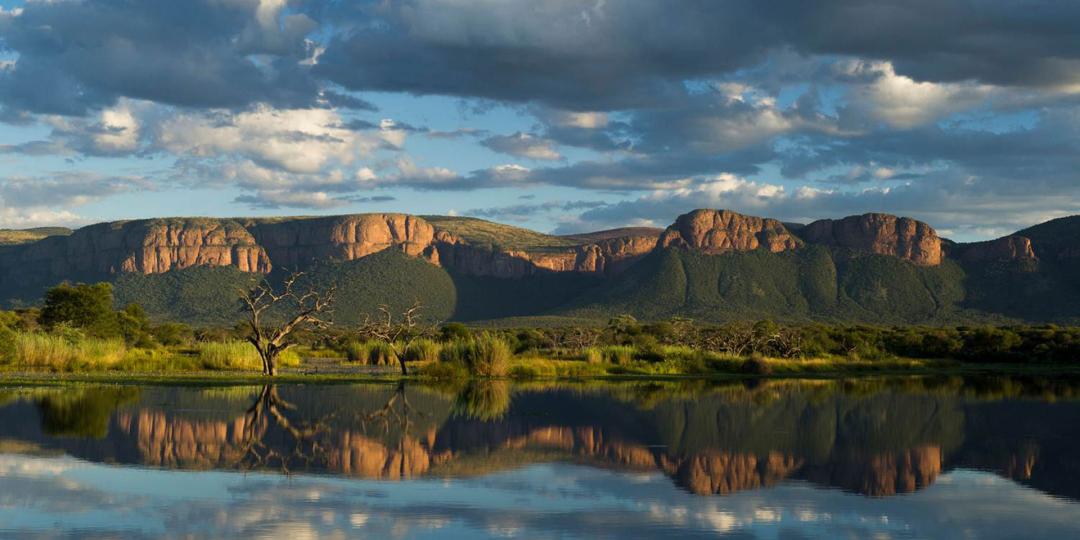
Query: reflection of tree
(483,400)
(277,436)
(82,412)
(270,412)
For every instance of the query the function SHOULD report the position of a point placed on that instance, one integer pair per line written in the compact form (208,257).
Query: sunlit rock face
(1007,248)
(719,231)
(148,247)
(296,242)
(882,234)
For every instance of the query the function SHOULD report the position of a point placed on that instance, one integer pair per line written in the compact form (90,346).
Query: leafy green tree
(84,306)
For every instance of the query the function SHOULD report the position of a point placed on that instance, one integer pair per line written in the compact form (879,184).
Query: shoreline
(233,378)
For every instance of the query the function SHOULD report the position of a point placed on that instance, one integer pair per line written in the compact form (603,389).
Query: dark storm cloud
(74,57)
(621,54)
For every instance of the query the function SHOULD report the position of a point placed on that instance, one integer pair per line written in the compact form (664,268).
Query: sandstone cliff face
(610,255)
(718,231)
(1008,248)
(879,233)
(296,242)
(148,247)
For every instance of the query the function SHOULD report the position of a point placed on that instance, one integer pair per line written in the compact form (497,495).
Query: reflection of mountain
(715,442)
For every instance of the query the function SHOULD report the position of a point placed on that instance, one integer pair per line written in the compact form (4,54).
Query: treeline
(78,328)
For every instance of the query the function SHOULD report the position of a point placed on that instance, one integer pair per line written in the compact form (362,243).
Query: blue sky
(561,115)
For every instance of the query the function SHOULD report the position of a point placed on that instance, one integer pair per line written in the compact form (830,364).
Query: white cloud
(902,102)
(524,145)
(296,140)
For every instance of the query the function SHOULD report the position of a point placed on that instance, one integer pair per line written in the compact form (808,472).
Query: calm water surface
(887,458)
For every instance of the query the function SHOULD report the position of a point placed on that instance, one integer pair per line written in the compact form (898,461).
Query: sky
(558,115)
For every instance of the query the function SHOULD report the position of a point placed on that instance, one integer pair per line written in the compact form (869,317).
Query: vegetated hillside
(814,283)
(1046,288)
(711,265)
(480,232)
(22,236)
(210,296)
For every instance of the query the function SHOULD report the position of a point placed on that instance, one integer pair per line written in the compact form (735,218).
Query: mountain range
(711,265)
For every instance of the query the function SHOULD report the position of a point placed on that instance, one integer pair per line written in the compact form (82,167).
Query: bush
(594,355)
(491,357)
(454,332)
(422,350)
(756,365)
(83,306)
(444,371)
(619,355)
(7,345)
(379,353)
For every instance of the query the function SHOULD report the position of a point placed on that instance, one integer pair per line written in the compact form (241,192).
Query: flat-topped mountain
(714,264)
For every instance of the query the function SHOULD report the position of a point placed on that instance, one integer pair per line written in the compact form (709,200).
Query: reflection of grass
(84,412)
(484,400)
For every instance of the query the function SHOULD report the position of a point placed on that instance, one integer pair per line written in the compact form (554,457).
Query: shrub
(491,357)
(456,351)
(455,331)
(756,365)
(379,353)
(594,355)
(422,350)
(82,306)
(444,371)
(7,345)
(618,354)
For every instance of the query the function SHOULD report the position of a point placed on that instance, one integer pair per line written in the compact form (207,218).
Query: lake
(927,457)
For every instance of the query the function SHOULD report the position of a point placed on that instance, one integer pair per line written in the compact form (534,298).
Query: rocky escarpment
(718,231)
(879,233)
(259,245)
(603,256)
(145,246)
(297,242)
(1007,248)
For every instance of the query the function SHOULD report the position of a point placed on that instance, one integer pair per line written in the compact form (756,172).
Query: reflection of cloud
(540,500)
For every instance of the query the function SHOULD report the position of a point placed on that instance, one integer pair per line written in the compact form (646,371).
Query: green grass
(49,352)
(237,355)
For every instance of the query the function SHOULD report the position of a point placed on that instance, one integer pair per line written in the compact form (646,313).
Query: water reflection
(870,438)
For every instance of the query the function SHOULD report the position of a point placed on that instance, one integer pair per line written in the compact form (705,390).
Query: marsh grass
(371,353)
(237,355)
(53,352)
(422,350)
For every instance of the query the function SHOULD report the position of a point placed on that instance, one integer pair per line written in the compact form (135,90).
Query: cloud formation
(872,105)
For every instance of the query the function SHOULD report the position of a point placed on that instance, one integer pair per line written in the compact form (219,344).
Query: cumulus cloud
(523,145)
(875,103)
(30,201)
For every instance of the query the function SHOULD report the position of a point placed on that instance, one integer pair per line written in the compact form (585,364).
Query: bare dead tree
(306,309)
(398,332)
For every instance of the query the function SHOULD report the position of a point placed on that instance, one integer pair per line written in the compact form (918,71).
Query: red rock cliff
(879,233)
(717,231)
(148,247)
(1008,248)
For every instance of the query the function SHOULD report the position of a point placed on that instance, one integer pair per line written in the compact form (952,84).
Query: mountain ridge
(839,268)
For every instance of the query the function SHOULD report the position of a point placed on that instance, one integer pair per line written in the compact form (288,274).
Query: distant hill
(711,265)
(23,236)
